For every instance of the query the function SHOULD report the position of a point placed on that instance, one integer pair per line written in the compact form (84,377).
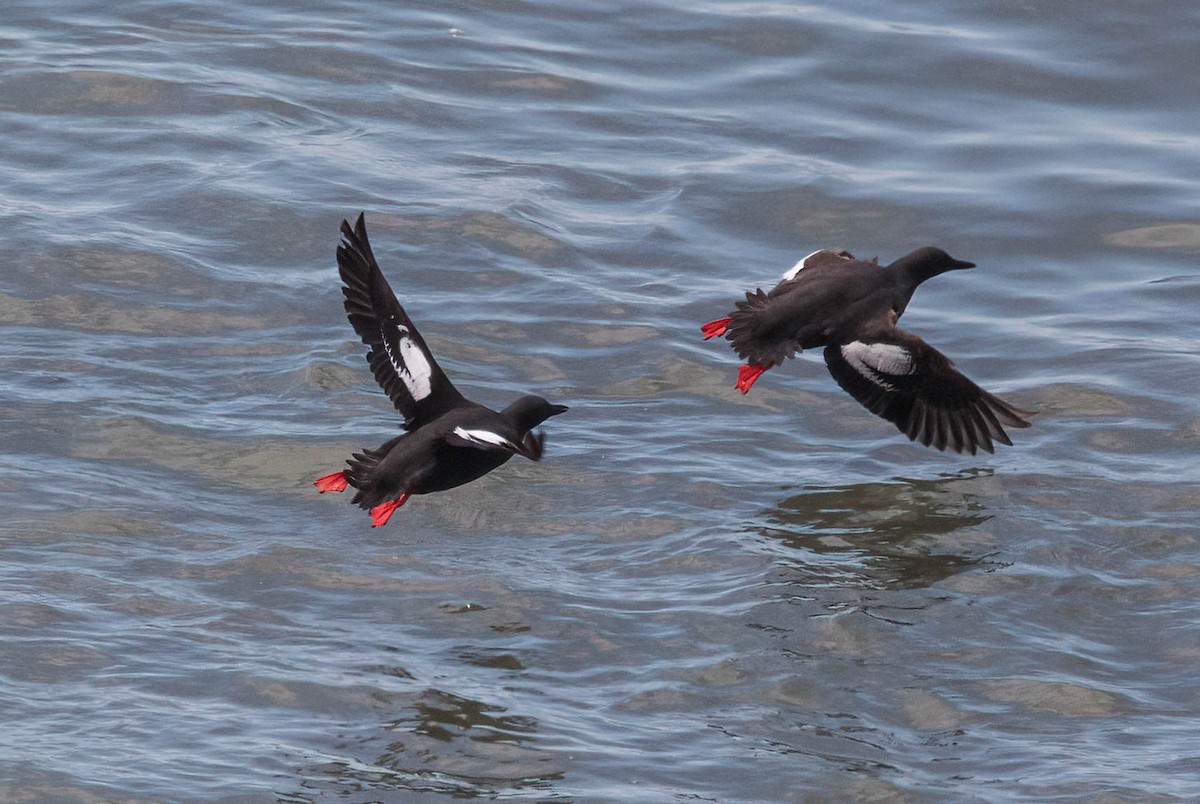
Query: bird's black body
(432,458)
(850,307)
(450,440)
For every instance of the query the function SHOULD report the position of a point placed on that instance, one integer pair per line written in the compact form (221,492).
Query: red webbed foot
(747,374)
(714,328)
(381,513)
(334,482)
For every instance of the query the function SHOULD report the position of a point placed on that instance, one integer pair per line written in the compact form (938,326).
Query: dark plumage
(450,440)
(850,307)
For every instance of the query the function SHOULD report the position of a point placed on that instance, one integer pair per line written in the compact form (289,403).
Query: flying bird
(850,307)
(448,440)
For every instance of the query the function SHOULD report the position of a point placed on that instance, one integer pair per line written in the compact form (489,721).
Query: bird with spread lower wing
(850,308)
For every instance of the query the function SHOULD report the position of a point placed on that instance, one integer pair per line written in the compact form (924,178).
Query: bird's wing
(825,257)
(896,375)
(489,440)
(402,363)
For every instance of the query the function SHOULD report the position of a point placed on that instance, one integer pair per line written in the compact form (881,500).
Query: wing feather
(531,444)
(899,377)
(397,354)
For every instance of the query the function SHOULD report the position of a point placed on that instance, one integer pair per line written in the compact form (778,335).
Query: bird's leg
(381,513)
(333,482)
(748,373)
(714,328)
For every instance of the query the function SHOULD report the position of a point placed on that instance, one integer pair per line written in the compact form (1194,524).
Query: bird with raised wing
(448,440)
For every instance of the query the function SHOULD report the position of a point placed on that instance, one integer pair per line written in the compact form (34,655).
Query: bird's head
(530,411)
(927,262)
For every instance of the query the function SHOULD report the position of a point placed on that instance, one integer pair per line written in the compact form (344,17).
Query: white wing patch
(410,364)
(875,361)
(486,438)
(798,267)
(840,253)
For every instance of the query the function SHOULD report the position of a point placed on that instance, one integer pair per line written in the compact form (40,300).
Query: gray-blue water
(696,595)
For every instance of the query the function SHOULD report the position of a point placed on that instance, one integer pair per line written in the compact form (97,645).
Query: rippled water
(697,595)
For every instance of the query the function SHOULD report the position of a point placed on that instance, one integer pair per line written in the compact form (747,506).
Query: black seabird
(450,440)
(850,307)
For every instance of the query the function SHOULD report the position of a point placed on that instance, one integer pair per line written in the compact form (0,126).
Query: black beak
(957,264)
(557,409)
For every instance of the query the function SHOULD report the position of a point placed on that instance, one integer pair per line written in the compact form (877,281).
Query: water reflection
(899,534)
(448,717)
(446,743)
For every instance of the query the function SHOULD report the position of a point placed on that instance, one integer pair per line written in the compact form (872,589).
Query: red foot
(333,482)
(714,328)
(381,513)
(747,374)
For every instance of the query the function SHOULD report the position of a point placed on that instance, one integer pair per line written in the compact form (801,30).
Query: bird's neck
(906,282)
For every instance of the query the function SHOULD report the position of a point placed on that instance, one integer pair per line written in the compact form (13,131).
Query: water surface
(696,595)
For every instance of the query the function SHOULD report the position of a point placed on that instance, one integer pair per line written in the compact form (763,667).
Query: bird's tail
(757,335)
(361,474)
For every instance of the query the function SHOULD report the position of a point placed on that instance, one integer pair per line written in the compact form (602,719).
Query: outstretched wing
(899,377)
(402,363)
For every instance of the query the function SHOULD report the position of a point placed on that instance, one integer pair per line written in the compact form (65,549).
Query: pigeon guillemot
(450,440)
(850,307)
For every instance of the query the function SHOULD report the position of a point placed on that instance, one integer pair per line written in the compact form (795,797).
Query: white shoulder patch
(874,359)
(486,438)
(411,365)
(798,267)
(839,253)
